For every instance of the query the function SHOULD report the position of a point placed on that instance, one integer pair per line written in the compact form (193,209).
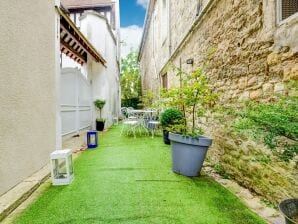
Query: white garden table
(141,119)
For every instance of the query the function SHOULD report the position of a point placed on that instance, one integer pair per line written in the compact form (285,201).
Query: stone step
(17,195)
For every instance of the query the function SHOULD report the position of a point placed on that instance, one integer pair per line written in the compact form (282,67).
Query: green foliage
(132,102)
(276,123)
(193,97)
(100,119)
(171,117)
(289,152)
(147,99)
(218,168)
(264,159)
(99,104)
(130,77)
(268,203)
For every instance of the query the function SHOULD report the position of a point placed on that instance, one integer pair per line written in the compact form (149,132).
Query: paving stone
(269,212)
(255,203)
(40,175)
(13,198)
(244,193)
(236,188)
(278,220)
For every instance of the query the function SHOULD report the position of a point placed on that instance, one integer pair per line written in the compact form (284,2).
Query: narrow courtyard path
(127,180)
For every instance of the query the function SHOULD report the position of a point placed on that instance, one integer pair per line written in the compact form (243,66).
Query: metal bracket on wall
(199,7)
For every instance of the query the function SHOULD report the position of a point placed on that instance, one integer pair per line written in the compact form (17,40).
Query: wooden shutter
(165,81)
(289,7)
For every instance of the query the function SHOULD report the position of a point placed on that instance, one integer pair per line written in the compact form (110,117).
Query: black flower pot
(166,139)
(100,125)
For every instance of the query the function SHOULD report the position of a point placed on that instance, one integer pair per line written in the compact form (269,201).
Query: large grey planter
(188,154)
(289,209)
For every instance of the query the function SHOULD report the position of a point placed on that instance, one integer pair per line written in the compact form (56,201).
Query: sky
(132,18)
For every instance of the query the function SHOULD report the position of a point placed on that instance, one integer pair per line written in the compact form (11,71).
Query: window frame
(165,81)
(281,21)
(164,12)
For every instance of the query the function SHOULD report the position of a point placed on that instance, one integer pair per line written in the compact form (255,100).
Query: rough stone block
(255,94)
(279,88)
(252,81)
(244,96)
(290,72)
(242,83)
(273,59)
(267,88)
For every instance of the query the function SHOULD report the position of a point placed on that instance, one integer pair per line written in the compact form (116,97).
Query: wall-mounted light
(189,61)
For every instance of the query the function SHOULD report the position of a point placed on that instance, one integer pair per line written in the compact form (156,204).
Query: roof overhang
(73,43)
(79,4)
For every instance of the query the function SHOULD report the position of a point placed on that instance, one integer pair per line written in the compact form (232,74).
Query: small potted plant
(192,97)
(168,118)
(100,122)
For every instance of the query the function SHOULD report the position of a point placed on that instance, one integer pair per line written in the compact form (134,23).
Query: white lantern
(62,167)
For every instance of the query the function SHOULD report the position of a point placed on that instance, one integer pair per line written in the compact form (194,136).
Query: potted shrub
(100,122)
(169,118)
(192,97)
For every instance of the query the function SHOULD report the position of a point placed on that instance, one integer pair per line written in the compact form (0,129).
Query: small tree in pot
(168,118)
(192,97)
(100,122)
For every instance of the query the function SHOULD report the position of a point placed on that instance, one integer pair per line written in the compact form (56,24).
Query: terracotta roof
(85,3)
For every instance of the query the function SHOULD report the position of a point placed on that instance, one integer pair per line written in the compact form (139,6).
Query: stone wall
(254,58)
(252,165)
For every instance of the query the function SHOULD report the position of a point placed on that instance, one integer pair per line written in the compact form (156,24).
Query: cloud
(130,39)
(143,3)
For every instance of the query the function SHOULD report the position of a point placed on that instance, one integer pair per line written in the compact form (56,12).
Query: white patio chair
(152,123)
(130,124)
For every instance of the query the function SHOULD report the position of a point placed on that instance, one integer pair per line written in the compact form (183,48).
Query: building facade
(99,22)
(255,55)
(29,73)
(53,67)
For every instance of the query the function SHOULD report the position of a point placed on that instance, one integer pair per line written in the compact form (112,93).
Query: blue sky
(132,14)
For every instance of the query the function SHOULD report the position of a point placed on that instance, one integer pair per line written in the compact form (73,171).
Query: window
(164,20)
(155,33)
(287,8)
(165,81)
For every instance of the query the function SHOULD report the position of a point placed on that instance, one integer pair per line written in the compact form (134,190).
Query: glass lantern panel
(70,165)
(92,140)
(59,168)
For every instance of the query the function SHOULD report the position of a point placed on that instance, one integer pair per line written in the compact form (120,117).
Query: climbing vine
(275,123)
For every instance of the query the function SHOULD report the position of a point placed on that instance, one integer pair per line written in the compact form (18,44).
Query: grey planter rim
(200,141)
(280,206)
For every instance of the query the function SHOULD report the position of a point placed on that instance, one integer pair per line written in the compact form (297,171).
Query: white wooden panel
(68,89)
(76,101)
(85,120)
(68,124)
(85,93)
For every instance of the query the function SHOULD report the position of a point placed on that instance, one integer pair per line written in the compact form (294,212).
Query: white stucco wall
(28,68)
(105,80)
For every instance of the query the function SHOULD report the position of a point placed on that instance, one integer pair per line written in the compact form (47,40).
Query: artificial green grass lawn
(129,180)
